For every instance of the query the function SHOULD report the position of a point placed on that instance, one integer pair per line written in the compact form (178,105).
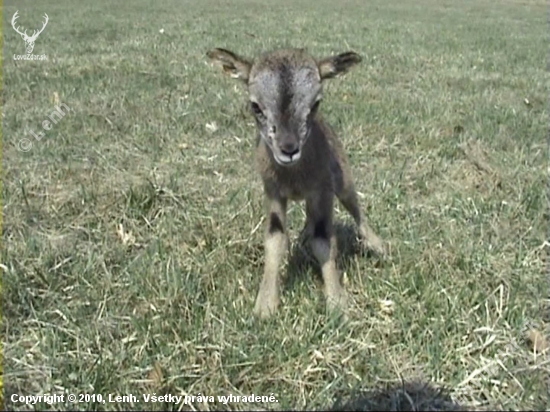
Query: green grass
(132,232)
(1,297)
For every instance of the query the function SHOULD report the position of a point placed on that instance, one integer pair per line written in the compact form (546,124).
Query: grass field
(132,242)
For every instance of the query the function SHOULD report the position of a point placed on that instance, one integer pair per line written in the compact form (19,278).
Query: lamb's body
(298,157)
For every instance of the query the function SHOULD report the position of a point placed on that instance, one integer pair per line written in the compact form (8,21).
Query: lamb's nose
(290,148)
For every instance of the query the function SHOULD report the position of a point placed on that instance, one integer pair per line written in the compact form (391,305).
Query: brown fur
(321,172)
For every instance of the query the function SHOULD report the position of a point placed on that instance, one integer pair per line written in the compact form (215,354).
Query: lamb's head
(285,90)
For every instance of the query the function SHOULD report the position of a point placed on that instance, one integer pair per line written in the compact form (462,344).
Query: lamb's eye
(256,109)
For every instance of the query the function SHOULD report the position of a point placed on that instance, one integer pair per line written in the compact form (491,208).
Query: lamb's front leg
(319,209)
(276,242)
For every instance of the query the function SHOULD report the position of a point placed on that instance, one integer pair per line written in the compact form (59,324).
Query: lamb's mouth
(286,160)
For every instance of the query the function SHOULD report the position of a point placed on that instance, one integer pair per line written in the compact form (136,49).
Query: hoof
(266,305)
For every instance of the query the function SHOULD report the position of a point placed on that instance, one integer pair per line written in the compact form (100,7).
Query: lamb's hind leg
(369,239)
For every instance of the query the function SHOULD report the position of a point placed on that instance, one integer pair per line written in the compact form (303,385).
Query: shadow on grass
(301,256)
(408,396)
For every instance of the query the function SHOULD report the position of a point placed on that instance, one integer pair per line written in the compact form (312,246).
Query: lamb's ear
(333,66)
(236,66)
